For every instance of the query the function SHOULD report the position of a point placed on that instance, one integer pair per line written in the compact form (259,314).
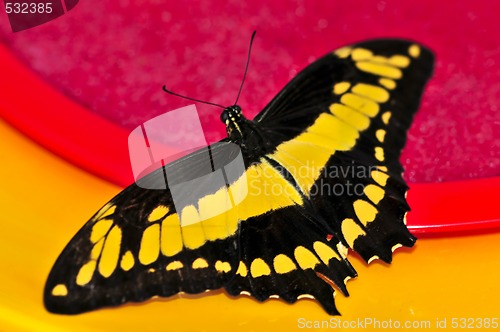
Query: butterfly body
(271,210)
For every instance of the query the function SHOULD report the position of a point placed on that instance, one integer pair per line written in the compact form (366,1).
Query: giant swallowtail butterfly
(340,123)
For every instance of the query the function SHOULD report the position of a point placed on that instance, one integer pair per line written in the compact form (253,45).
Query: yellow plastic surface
(45,200)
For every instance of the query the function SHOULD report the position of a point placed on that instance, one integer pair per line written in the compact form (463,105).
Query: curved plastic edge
(98,146)
(61,125)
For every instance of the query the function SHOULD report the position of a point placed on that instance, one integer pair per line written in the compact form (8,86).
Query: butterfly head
(231,114)
(232,118)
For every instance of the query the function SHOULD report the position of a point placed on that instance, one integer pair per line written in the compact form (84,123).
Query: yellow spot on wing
(305,258)
(363,105)
(379,153)
(257,201)
(374,193)
(346,279)
(364,211)
(386,117)
(331,128)
(341,87)
(171,236)
(200,263)
(213,211)
(307,296)
(380,134)
(283,264)
(189,216)
(158,213)
(221,226)
(96,249)
(382,168)
(327,143)
(396,246)
(110,252)
(400,61)
(414,51)
(373,258)
(105,211)
(355,119)
(351,231)
(175,265)
(214,204)
(371,91)
(100,229)
(239,189)
(259,268)
(379,177)
(193,235)
(303,160)
(361,54)
(343,52)
(267,190)
(325,252)
(380,59)
(127,261)
(242,270)
(85,273)
(387,83)
(379,69)
(222,266)
(60,290)
(150,245)
(342,250)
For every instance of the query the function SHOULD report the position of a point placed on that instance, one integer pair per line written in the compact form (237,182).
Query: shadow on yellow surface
(45,200)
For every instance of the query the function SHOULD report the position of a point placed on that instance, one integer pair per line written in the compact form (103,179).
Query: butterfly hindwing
(292,259)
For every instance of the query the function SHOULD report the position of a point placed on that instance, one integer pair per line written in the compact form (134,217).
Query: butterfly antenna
(192,99)
(246,68)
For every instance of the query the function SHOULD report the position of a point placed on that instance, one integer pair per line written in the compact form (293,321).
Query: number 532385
(28,8)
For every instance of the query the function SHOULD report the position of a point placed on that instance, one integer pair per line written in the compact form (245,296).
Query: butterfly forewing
(143,244)
(350,112)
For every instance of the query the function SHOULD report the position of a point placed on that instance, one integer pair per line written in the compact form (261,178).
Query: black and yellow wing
(328,179)
(337,130)
(345,118)
(138,245)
